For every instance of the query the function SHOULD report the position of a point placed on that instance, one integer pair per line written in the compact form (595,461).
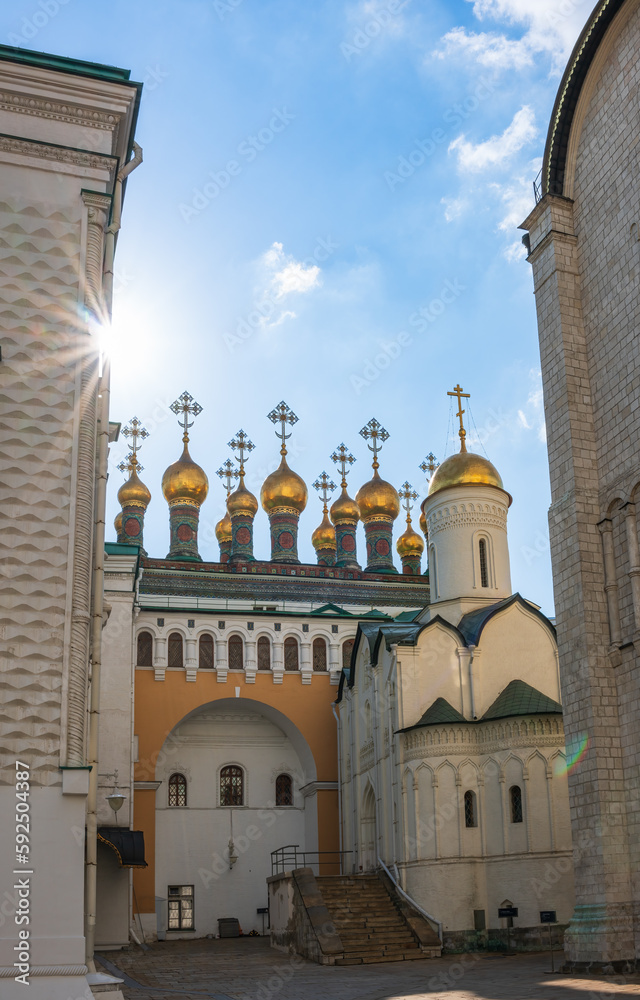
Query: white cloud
(474,157)
(454,207)
(531,416)
(549,27)
(281,276)
(488,49)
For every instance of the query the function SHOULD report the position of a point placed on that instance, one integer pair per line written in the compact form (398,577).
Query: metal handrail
(288,857)
(420,909)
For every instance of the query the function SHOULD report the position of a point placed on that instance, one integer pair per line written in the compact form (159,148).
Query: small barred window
(515,795)
(236,653)
(205,652)
(177,790)
(319,654)
(176,656)
(264,653)
(145,649)
(470,817)
(231,786)
(290,653)
(284,790)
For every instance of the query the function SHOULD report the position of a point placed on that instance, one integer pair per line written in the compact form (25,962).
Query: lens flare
(576,750)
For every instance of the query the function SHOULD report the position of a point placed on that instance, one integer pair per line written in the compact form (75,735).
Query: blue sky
(327,214)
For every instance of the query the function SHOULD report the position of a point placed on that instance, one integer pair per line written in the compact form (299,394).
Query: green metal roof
(331,609)
(406,616)
(64,65)
(121,549)
(440,711)
(519,698)
(374,613)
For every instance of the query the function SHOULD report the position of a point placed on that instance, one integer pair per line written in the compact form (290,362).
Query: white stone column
(502,778)
(481,816)
(436,827)
(460,802)
(250,661)
(221,663)
(191,662)
(552,817)
(277,659)
(306,665)
(160,657)
(526,806)
(610,581)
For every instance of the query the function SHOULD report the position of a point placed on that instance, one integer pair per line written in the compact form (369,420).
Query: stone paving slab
(248,969)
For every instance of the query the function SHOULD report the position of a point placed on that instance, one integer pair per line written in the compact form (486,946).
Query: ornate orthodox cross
(407,493)
(187,406)
(325,488)
(457,391)
(378,435)
(228,473)
(136,432)
(429,465)
(243,446)
(343,460)
(283,415)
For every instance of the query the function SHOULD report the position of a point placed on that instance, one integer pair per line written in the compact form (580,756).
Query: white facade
(444,772)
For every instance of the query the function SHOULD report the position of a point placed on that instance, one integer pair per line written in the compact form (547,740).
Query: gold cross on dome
(137,433)
(457,391)
(378,435)
(325,488)
(343,459)
(187,406)
(283,415)
(430,464)
(243,446)
(407,493)
(228,473)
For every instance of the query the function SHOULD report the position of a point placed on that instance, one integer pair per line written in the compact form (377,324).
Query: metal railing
(430,920)
(321,862)
(537,187)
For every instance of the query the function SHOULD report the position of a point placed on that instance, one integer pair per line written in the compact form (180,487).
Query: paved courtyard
(247,969)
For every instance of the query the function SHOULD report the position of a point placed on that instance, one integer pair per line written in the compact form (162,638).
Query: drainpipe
(333,709)
(98,569)
(472,650)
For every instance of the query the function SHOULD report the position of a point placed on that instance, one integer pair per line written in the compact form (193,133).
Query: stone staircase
(369,923)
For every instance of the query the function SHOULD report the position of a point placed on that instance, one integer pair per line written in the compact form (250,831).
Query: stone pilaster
(601,931)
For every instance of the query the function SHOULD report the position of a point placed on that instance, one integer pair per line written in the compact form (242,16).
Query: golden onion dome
(344,509)
(378,498)
(133,492)
(283,488)
(423,522)
(242,501)
(324,537)
(185,480)
(224,529)
(410,543)
(465,469)
(117,523)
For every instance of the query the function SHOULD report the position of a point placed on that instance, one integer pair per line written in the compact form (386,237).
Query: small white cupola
(466,514)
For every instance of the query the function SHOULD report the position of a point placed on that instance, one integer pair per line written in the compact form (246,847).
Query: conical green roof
(519,698)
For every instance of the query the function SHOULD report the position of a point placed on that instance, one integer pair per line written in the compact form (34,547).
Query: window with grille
(347,649)
(231,786)
(290,653)
(319,654)
(180,903)
(145,649)
(284,790)
(205,652)
(177,790)
(470,817)
(515,794)
(236,653)
(176,658)
(484,573)
(264,653)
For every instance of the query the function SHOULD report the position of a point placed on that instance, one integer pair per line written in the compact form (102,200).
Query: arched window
(284,790)
(177,790)
(176,658)
(347,649)
(319,654)
(145,649)
(484,572)
(231,786)
(470,816)
(290,653)
(264,653)
(367,721)
(515,796)
(433,579)
(205,652)
(236,653)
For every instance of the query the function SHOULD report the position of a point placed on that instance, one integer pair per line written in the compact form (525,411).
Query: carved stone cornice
(60,154)
(474,738)
(57,111)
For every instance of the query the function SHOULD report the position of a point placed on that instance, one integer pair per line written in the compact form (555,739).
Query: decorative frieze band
(61,154)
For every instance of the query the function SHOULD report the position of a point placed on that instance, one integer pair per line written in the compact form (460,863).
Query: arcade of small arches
(231,788)
(207,651)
